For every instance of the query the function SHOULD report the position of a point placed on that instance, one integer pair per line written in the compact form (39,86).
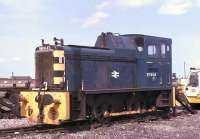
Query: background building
(17,81)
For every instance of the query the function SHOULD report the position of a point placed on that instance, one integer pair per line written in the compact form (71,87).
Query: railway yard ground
(183,126)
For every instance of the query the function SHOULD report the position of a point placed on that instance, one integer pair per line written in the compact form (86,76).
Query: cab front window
(194,80)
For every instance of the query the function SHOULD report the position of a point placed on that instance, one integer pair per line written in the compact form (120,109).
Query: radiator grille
(44,67)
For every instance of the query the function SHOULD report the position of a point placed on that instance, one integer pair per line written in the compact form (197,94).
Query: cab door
(165,64)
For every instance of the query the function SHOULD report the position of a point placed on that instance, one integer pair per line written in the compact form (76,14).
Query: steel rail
(11,132)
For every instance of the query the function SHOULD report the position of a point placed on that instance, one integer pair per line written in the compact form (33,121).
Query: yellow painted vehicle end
(58,110)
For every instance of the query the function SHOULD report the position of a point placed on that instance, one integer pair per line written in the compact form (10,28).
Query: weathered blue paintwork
(116,63)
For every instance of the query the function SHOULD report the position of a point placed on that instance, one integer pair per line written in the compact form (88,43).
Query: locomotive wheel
(102,114)
(132,104)
(91,116)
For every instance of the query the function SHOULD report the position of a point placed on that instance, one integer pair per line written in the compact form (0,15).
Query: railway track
(80,125)
(36,129)
(12,132)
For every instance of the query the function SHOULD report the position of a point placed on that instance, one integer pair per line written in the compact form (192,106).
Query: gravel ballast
(181,127)
(12,123)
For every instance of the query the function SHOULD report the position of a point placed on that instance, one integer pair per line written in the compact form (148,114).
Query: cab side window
(168,48)
(152,51)
(163,50)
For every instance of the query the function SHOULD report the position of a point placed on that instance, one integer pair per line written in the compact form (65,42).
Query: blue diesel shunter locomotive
(122,74)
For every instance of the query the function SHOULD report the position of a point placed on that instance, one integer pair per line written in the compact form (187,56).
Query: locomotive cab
(154,63)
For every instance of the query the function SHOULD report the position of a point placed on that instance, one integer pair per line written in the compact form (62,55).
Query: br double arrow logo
(115,74)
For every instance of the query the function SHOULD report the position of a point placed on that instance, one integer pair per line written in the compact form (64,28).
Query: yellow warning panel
(58,53)
(56,110)
(58,67)
(58,80)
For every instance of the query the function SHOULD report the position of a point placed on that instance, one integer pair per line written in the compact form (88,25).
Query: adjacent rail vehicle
(192,86)
(122,74)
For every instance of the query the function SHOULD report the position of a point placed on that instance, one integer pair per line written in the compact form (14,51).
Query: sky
(23,23)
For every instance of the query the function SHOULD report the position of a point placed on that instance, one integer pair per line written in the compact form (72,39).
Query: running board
(113,114)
